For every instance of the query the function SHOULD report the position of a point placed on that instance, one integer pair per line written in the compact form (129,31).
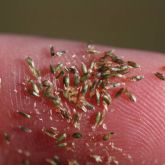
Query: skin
(139,127)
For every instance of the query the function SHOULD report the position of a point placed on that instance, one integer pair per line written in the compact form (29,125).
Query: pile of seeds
(94,83)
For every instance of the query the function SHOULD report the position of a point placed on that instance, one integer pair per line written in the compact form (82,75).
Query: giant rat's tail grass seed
(61,145)
(24,129)
(25,115)
(7,137)
(133,64)
(107,136)
(119,92)
(160,76)
(77,135)
(53,161)
(50,132)
(130,95)
(136,78)
(32,67)
(61,137)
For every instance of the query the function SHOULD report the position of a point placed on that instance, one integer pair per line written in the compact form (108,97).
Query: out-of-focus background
(136,24)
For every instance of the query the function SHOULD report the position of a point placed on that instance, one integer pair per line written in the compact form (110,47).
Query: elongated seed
(56,68)
(60,53)
(84,68)
(99,118)
(35,89)
(24,114)
(84,89)
(133,64)
(130,95)
(76,79)
(160,76)
(52,52)
(77,135)
(108,136)
(47,83)
(7,137)
(119,92)
(54,161)
(62,145)
(50,132)
(61,137)
(136,78)
(66,80)
(107,98)
(25,129)
(97,97)
(32,67)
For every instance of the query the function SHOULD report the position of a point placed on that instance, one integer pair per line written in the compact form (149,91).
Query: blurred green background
(136,24)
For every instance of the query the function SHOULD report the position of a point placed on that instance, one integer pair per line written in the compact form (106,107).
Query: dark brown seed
(119,92)
(160,76)
(133,64)
(130,95)
(7,137)
(77,135)
(108,136)
(52,52)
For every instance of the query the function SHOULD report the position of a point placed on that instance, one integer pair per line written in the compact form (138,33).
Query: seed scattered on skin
(25,129)
(107,98)
(119,92)
(136,78)
(35,89)
(24,114)
(97,97)
(62,137)
(47,83)
(53,161)
(54,69)
(7,137)
(84,89)
(107,136)
(97,158)
(130,95)
(99,118)
(52,52)
(160,76)
(77,135)
(133,64)
(25,162)
(61,145)
(92,50)
(66,80)
(84,68)
(50,132)
(73,162)
(32,67)
(60,53)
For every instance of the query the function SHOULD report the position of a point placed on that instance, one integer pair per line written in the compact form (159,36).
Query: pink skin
(139,127)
